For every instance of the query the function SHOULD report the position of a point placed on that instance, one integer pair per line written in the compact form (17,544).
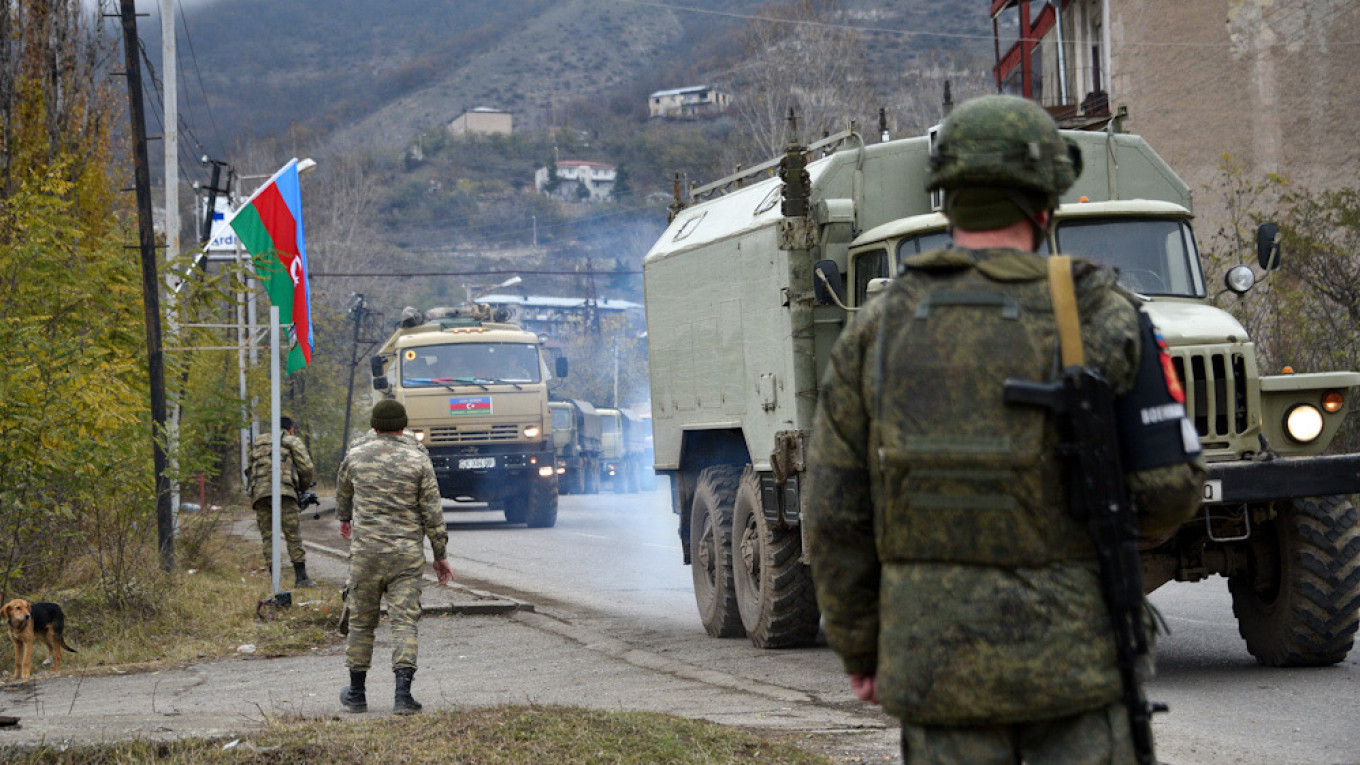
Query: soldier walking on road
(387,502)
(959,588)
(296,475)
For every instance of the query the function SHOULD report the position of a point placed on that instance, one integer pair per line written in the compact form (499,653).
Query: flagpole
(275,484)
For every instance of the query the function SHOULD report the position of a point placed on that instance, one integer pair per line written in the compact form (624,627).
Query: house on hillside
(483,120)
(684,103)
(575,180)
(1265,82)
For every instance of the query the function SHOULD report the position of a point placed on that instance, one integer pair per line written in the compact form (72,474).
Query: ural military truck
(576,442)
(754,278)
(476,395)
(623,435)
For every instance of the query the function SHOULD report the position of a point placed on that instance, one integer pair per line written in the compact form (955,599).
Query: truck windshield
(470,363)
(561,418)
(1155,256)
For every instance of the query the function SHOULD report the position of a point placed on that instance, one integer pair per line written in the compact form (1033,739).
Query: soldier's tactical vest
(966,478)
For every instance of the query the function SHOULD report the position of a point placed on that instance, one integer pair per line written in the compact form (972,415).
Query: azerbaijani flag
(470,405)
(269,225)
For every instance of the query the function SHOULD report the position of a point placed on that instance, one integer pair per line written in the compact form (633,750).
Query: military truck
(476,393)
(623,439)
(576,442)
(756,275)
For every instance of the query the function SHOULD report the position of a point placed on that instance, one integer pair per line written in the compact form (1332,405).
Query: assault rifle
(1084,403)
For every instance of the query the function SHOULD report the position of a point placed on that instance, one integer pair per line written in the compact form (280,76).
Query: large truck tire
(541,512)
(1298,605)
(575,482)
(590,472)
(630,476)
(775,594)
(710,540)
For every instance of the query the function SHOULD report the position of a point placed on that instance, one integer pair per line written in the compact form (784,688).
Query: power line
(945,35)
(412,274)
(198,74)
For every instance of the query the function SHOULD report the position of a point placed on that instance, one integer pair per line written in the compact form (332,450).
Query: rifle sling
(1064,296)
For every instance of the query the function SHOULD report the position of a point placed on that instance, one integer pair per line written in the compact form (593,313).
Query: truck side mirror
(379,377)
(561,370)
(827,287)
(1268,246)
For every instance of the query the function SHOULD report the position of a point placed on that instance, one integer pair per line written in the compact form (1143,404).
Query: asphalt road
(613,564)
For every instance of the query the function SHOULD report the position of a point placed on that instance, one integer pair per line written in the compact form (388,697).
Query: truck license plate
(476,463)
(1213,490)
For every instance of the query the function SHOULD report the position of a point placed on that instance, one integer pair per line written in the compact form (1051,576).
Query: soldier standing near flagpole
(387,501)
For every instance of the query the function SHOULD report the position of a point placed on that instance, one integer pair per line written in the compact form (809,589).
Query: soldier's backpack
(966,478)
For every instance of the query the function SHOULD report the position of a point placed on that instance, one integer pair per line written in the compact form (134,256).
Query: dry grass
(505,735)
(207,609)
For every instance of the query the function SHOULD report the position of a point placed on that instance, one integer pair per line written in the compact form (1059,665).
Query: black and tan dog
(43,621)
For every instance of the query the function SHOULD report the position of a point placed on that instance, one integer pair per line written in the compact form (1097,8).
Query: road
(613,565)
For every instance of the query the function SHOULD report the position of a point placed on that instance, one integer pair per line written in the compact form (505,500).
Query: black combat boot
(300,575)
(404,704)
(352,695)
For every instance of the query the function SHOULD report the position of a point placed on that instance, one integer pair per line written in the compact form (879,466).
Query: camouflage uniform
(296,473)
(386,488)
(964,620)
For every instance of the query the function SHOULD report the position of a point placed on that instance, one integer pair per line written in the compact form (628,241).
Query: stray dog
(45,621)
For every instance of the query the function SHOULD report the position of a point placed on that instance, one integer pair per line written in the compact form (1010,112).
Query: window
(470,363)
(1154,256)
(869,266)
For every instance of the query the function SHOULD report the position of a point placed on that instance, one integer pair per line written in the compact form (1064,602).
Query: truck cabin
(1149,242)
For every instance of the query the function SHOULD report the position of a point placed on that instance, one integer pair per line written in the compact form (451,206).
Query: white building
(696,101)
(579,180)
(484,120)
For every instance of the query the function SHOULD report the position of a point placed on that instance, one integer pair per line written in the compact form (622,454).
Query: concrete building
(485,120)
(1272,84)
(555,316)
(579,180)
(696,101)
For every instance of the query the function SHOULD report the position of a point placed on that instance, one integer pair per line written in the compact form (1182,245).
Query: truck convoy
(476,395)
(576,441)
(756,275)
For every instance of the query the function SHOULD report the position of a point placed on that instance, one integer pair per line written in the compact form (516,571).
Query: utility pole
(357,314)
(165,536)
(171,141)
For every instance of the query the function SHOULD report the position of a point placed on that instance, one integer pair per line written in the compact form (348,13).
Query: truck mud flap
(1283,478)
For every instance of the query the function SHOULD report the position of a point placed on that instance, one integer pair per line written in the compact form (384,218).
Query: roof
(533,301)
(584,163)
(680,91)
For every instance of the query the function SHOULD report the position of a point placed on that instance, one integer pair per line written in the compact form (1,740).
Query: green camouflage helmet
(1003,141)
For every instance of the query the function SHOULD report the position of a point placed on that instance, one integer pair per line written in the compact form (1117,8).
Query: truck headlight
(1239,279)
(420,435)
(532,431)
(1303,423)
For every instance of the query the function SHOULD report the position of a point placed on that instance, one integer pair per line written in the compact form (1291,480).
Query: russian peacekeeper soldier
(296,474)
(958,589)
(387,502)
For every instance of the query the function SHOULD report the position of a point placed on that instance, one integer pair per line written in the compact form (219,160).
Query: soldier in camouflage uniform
(387,502)
(957,588)
(295,476)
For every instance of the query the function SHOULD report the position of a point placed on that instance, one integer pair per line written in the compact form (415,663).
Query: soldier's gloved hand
(443,571)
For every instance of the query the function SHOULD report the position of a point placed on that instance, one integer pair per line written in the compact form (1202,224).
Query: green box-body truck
(576,441)
(756,275)
(476,395)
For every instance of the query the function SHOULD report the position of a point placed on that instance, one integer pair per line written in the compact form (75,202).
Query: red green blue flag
(269,225)
(470,405)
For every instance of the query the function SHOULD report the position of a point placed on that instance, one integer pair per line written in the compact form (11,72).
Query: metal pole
(353,364)
(165,535)
(275,482)
(171,131)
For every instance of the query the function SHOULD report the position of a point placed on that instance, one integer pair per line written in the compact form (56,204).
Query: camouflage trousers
(288,525)
(371,575)
(1100,736)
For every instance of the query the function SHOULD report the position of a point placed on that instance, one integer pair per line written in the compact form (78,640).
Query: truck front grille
(1215,384)
(476,434)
